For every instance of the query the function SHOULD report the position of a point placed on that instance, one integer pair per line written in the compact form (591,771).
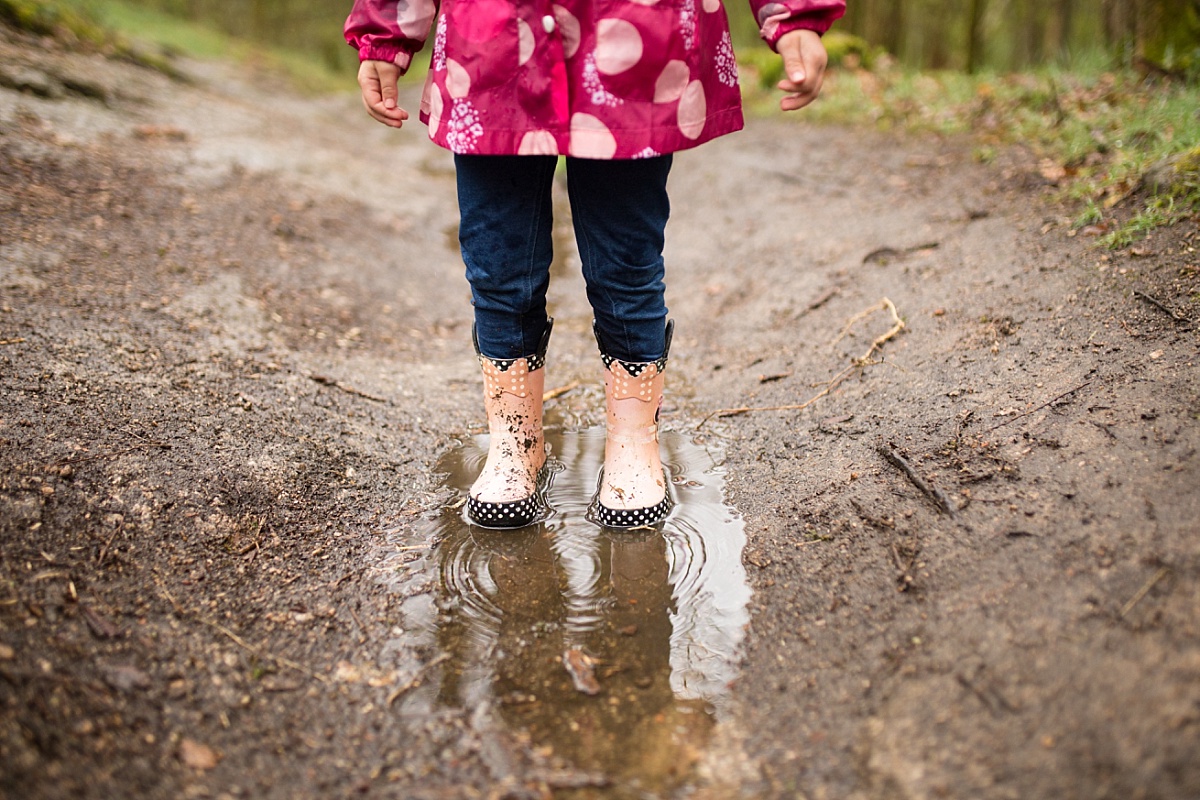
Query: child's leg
(504,205)
(505,233)
(620,210)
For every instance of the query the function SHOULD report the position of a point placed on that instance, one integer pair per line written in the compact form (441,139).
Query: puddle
(519,625)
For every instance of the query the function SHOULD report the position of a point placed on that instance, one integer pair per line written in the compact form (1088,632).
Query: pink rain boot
(633,487)
(508,492)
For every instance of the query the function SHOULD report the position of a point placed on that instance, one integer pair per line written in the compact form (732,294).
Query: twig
(990,699)
(242,643)
(359,622)
(417,679)
(905,579)
(1145,590)
(573,780)
(20,340)
(1043,405)
(932,492)
(880,254)
(560,391)
(858,363)
(815,304)
(114,454)
(1161,306)
(104,550)
(325,380)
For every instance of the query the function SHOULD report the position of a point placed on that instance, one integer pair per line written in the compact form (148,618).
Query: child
(616,86)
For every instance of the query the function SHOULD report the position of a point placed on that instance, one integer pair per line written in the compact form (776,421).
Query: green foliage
(55,18)
(1096,136)
(132,31)
(1173,190)
(1008,35)
(765,67)
(848,50)
(311,27)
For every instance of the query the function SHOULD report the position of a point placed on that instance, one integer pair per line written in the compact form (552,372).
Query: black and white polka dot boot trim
(537,360)
(634,369)
(513,514)
(629,517)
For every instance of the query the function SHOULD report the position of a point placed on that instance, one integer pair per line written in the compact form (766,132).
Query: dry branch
(1043,405)
(1145,590)
(1161,306)
(325,380)
(935,494)
(417,679)
(855,364)
(560,391)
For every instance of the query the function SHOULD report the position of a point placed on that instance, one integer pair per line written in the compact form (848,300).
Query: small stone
(345,672)
(124,677)
(196,755)
(7,653)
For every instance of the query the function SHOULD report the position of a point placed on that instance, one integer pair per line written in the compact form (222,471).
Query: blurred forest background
(969,35)
(1102,96)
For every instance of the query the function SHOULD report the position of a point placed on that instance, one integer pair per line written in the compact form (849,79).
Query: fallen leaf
(196,755)
(582,669)
(1052,171)
(100,627)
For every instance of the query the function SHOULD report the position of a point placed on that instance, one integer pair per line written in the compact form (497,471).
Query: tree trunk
(975,36)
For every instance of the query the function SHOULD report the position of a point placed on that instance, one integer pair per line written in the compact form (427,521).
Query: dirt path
(234,345)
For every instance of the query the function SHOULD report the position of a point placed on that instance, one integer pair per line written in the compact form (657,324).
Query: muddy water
(606,653)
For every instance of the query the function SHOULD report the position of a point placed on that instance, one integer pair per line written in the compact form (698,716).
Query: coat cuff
(378,52)
(776,20)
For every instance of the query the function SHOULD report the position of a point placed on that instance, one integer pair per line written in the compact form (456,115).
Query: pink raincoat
(587,78)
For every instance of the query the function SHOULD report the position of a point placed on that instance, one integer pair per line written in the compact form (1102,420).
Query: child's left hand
(804,60)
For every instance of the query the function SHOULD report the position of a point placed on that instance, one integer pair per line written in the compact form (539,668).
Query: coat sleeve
(389,30)
(777,17)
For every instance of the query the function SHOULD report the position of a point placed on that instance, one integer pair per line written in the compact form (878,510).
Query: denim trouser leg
(505,235)
(620,210)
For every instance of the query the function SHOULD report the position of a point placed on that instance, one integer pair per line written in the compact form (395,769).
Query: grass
(196,40)
(1095,133)
(153,38)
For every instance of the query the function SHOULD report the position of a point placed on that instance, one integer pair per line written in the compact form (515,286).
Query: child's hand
(377,79)
(804,61)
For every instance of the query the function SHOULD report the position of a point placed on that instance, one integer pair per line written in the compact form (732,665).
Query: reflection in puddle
(605,653)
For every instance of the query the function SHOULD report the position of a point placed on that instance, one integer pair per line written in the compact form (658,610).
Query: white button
(548,23)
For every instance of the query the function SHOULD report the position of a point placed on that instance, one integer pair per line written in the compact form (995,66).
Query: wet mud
(238,404)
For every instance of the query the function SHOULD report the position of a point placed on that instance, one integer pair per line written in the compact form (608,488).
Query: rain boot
(508,491)
(633,486)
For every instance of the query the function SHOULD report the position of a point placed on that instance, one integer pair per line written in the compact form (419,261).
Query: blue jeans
(619,209)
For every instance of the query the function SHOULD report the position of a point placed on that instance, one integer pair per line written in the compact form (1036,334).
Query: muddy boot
(508,492)
(633,487)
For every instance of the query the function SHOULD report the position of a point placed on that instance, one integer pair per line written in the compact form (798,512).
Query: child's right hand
(377,79)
